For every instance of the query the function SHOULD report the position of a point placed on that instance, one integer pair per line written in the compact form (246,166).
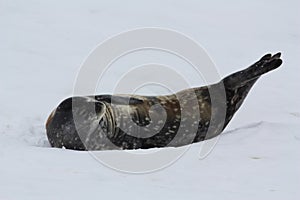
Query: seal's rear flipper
(264,65)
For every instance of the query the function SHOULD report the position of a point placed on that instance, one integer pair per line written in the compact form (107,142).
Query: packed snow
(43,44)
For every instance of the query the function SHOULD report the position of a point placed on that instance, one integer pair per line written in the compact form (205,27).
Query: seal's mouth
(49,120)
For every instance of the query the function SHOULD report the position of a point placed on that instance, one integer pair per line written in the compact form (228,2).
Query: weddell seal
(106,122)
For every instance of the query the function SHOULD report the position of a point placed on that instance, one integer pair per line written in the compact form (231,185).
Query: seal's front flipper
(264,65)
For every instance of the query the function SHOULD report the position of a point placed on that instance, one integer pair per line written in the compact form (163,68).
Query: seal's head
(74,120)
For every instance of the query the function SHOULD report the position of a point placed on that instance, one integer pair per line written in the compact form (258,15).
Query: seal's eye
(65,105)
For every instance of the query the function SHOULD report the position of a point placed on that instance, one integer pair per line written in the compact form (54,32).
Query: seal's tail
(264,65)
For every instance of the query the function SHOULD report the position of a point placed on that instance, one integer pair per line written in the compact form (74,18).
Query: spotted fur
(131,121)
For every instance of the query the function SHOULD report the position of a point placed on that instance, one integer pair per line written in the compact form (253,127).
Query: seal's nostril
(49,120)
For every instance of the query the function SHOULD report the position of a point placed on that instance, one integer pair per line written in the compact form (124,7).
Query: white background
(42,45)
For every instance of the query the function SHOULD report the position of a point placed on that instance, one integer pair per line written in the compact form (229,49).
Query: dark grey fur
(131,122)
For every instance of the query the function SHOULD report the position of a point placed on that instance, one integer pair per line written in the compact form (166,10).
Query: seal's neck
(108,120)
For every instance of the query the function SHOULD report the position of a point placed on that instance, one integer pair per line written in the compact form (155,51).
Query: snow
(43,44)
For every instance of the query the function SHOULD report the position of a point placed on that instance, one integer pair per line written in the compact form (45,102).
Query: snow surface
(43,43)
